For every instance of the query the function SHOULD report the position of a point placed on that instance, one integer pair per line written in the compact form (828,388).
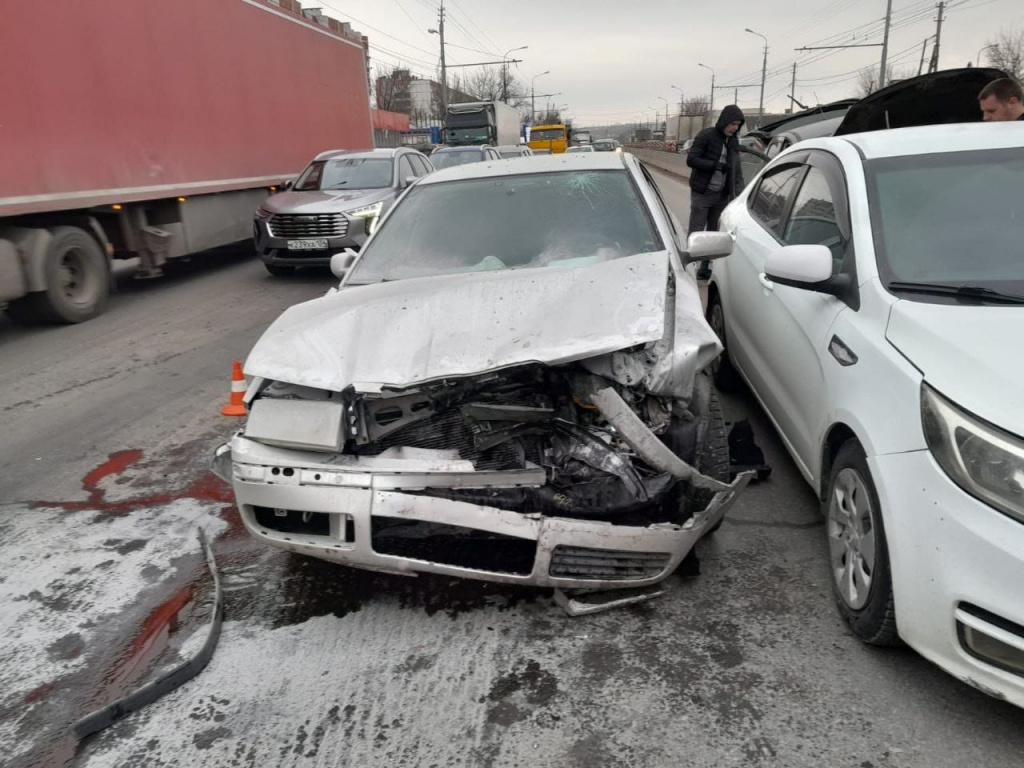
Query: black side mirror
(286,185)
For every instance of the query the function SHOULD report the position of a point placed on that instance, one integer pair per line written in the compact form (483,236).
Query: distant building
(417,97)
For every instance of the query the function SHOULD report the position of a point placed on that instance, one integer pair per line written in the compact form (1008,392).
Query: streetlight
(977,58)
(504,71)
(533,94)
(444,67)
(764,74)
(666,115)
(711,103)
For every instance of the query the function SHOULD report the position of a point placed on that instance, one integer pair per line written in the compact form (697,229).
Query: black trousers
(705,208)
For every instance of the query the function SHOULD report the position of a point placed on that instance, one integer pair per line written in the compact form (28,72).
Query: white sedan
(874,304)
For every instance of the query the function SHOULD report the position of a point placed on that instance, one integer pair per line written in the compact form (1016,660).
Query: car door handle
(767,284)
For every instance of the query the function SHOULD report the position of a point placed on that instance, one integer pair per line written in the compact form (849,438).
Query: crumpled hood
(331,201)
(970,354)
(407,332)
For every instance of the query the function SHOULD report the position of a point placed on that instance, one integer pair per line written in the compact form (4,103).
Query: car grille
(606,564)
(294,225)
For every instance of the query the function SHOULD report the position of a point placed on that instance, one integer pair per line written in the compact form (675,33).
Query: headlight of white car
(371,213)
(985,461)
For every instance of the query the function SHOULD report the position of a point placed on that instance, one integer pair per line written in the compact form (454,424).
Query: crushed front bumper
(367,513)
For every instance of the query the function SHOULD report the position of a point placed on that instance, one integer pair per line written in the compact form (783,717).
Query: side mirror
(342,262)
(799,266)
(286,185)
(705,246)
(407,181)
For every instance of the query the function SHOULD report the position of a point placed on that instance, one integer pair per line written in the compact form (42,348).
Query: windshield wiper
(337,186)
(976,292)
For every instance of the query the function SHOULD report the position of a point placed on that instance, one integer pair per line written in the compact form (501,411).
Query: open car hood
(806,117)
(407,332)
(949,96)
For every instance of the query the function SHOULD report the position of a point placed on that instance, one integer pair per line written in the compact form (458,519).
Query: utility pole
(792,89)
(924,49)
(934,66)
(711,104)
(764,74)
(885,44)
(444,67)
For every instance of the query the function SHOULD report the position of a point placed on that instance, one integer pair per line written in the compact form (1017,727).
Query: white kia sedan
(874,304)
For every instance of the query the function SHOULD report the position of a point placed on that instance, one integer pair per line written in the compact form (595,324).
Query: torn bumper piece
(370,512)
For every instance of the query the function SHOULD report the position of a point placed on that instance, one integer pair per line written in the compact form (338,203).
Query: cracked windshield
(478,384)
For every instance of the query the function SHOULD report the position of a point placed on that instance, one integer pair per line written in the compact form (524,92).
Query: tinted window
(346,173)
(950,218)
(506,153)
(769,202)
(535,220)
(813,220)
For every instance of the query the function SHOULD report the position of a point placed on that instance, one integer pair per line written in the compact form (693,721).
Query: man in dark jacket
(712,158)
(1002,100)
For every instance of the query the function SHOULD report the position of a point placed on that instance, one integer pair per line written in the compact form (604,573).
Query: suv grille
(606,564)
(296,225)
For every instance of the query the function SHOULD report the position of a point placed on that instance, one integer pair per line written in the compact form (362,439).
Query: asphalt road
(107,428)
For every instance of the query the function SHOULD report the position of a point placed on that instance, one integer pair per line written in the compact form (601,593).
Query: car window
(768,204)
(405,169)
(813,220)
(421,163)
(346,173)
(549,220)
(664,208)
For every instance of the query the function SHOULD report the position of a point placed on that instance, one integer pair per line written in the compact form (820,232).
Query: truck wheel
(712,456)
(77,281)
(279,271)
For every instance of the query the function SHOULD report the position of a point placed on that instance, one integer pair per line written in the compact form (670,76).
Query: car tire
(712,456)
(279,271)
(857,549)
(77,279)
(725,376)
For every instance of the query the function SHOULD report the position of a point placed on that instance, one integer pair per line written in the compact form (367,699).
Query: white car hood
(407,332)
(970,354)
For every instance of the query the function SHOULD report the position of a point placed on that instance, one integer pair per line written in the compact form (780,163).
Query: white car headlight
(982,459)
(371,213)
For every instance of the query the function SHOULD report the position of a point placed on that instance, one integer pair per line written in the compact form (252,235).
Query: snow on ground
(67,579)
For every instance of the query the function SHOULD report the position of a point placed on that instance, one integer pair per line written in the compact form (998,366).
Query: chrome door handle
(767,284)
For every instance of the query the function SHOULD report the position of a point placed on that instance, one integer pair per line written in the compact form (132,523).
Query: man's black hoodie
(706,153)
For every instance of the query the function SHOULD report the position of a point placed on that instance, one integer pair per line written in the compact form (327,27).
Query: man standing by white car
(1002,100)
(712,159)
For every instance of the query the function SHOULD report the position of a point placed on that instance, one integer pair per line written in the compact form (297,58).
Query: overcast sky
(615,60)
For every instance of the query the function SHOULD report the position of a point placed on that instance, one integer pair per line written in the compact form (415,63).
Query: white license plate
(307,245)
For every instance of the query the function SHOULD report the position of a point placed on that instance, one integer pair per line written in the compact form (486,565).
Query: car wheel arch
(836,436)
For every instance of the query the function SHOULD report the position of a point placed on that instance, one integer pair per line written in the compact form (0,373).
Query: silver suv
(334,204)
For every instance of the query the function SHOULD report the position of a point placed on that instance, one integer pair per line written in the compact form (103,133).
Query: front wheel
(858,550)
(725,376)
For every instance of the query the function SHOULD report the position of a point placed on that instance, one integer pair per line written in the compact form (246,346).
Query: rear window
(509,222)
(451,159)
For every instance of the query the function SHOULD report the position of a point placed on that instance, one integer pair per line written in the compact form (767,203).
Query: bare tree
(391,87)
(693,106)
(1006,52)
(867,78)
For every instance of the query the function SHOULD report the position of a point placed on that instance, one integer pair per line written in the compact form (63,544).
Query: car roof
(578,161)
(332,154)
(933,139)
(473,148)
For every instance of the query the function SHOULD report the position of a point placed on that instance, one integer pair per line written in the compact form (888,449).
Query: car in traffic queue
(584,148)
(335,203)
(509,384)
(512,151)
(449,157)
(606,145)
(874,305)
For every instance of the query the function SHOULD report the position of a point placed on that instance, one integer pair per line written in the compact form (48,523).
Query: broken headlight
(985,461)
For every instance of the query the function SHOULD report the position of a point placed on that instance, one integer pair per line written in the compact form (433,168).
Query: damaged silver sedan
(507,385)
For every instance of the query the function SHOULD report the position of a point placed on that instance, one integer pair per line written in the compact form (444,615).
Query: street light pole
(504,71)
(764,74)
(711,104)
(533,95)
(666,114)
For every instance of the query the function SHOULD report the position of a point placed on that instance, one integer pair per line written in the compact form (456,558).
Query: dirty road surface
(107,431)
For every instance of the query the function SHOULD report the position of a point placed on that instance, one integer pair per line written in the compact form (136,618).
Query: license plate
(307,245)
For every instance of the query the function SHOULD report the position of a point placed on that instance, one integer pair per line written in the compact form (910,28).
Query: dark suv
(334,204)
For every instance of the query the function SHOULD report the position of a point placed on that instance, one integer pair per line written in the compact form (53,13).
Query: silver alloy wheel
(851,538)
(717,323)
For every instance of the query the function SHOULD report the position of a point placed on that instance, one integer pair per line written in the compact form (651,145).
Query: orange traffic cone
(235,406)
